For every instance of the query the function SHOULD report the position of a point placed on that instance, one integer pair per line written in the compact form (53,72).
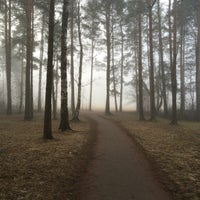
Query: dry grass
(175,150)
(31,168)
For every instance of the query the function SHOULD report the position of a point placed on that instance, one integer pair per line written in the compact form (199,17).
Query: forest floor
(31,168)
(174,152)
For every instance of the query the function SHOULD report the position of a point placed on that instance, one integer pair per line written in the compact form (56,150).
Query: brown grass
(175,151)
(31,168)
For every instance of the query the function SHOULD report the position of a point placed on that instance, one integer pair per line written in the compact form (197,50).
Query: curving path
(119,170)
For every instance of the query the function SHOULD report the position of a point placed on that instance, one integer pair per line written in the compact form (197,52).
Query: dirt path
(119,170)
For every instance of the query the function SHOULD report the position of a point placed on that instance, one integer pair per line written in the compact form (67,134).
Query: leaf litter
(31,168)
(174,152)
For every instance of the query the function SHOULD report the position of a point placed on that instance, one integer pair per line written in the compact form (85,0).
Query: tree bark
(151,67)
(78,105)
(47,131)
(161,62)
(107,107)
(182,71)
(173,68)
(140,68)
(8,54)
(28,114)
(22,81)
(122,67)
(64,114)
(72,58)
(198,67)
(41,65)
(91,74)
(113,67)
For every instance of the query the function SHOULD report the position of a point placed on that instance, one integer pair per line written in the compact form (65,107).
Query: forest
(65,62)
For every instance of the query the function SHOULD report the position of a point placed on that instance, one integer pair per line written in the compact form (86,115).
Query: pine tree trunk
(173,68)
(22,81)
(32,44)
(161,62)
(113,66)
(8,54)
(47,132)
(122,67)
(41,65)
(198,67)
(72,58)
(28,114)
(91,75)
(78,105)
(140,77)
(182,71)
(151,67)
(64,114)
(107,107)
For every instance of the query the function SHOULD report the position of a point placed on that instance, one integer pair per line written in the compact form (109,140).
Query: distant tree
(28,93)
(150,5)
(47,131)
(91,31)
(8,54)
(78,105)
(64,114)
(41,63)
(173,67)
(140,76)
(72,13)
(161,58)
(198,63)
(107,6)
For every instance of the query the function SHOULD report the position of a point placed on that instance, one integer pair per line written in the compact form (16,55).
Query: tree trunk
(151,67)
(47,132)
(140,77)
(182,71)
(198,67)
(113,67)
(107,107)
(78,105)
(161,62)
(122,67)
(64,114)
(8,54)
(72,58)
(173,68)
(41,65)
(91,75)
(32,46)
(22,81)
(28,114)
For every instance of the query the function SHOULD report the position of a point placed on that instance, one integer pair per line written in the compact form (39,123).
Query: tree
(173,67)
(91,31)
(64,114)
(78,105)
(161,60)
(140,77)
(198,64)
(72,56)
(107,5)
(47,131)
(41,63)
(8,54)
(151,57)
(28,113)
